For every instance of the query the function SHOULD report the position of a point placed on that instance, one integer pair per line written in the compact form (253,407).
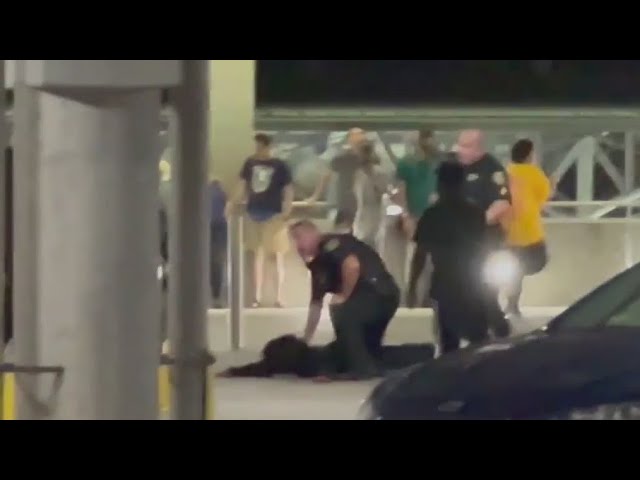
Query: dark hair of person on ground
(263,139)
(521,151)
(450,177)
(285,355)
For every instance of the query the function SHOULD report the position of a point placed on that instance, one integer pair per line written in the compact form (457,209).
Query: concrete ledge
(261,325)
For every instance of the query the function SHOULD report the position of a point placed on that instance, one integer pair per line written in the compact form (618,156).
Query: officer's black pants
(459,319)
(218,260)
(360,324)
(498,323)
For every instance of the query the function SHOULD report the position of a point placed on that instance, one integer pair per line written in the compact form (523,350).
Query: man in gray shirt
(344,166)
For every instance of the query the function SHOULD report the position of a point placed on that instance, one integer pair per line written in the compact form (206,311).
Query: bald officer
(486,187)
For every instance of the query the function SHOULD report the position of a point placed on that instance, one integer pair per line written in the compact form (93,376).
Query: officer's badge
(331,245)
(472,177)
(503,191)
(499,178)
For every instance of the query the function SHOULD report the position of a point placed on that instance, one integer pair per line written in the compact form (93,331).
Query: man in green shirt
(416,175)
(417,179)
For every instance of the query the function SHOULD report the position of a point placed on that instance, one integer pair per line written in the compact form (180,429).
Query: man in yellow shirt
(530,190)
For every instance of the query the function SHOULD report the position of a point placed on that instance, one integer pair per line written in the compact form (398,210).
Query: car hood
(522,377)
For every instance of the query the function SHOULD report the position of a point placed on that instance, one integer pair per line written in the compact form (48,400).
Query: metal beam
(188,245)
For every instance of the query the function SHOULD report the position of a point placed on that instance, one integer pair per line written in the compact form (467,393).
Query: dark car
(585,364)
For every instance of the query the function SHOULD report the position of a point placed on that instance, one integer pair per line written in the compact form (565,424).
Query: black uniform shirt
(326,267)
(454,232)
(485,183)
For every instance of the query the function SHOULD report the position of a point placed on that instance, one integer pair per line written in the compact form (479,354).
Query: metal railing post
(236,280)
(629,180)
(3,226)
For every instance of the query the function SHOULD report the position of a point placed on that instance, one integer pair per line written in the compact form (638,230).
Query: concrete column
(98,300)
(25,242)
(99,296)
(232,106)
(188,240)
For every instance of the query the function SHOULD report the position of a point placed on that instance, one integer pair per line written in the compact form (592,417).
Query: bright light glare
(394,210)
(501,269)
(160,272)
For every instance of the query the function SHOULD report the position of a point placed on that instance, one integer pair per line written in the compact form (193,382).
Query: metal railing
(9,373)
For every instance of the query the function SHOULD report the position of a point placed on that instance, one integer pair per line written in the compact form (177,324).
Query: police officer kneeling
(365,296)
(454,232)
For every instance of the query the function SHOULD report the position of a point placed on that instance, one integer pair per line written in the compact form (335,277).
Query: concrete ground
(294,399)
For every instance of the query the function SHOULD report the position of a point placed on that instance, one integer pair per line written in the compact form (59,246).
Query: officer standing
(486,186)
(365,296)
(454,232)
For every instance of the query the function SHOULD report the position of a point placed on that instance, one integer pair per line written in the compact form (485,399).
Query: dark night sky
(449,82)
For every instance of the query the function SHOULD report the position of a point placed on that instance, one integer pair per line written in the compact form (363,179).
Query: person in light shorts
(266,186)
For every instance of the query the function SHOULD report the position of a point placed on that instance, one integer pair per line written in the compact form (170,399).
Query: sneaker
(513,313)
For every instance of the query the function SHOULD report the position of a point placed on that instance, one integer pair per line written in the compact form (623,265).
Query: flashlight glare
(501,269)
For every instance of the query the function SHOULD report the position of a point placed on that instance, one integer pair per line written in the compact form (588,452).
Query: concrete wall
(581,257)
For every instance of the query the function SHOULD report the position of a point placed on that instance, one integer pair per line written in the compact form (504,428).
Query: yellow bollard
(164,395)
(9,397)
(164,392)
(210,406)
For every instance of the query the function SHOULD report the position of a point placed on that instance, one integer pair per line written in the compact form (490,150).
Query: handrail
(31,369)
(592,203)
(592,221)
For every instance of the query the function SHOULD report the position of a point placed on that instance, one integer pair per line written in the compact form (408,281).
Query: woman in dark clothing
(218,242)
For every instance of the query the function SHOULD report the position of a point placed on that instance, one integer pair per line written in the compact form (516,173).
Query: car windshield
(615,303)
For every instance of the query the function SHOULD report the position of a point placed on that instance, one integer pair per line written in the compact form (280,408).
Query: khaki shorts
(272,235)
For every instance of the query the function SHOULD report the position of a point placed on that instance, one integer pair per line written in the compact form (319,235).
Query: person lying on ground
(289,355)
